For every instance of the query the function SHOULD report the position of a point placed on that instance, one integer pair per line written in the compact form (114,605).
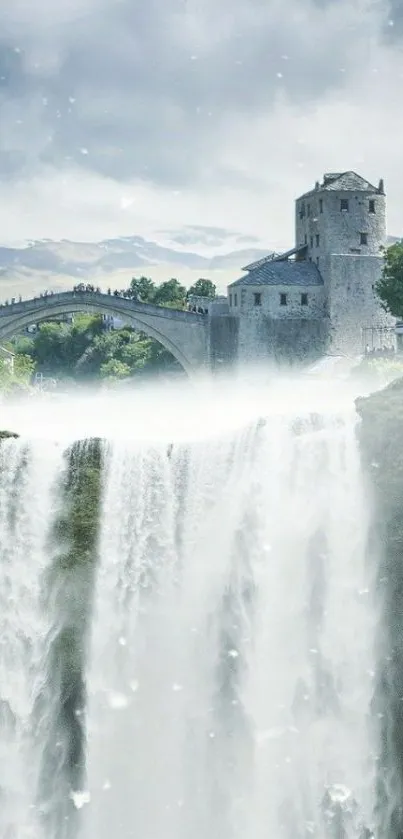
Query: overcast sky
(124,117)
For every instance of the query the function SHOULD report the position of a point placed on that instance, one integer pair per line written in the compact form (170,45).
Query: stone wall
(291,340)
(223,341)
(339,231)
(270,301)
(352,301)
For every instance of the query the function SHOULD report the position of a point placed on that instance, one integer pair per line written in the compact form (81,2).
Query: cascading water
(188,633)
(27,478)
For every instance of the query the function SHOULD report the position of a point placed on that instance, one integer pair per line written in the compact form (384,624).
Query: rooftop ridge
(344,181)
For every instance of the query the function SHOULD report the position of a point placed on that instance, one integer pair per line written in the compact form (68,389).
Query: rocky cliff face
(381,440)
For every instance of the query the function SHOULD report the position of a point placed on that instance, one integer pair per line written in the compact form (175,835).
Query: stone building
(319,296)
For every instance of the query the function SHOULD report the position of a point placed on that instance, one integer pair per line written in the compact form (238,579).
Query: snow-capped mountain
(87,260)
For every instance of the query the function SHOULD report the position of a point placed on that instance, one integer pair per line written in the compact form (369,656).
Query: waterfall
(188,632)
(232,670)
(27,483)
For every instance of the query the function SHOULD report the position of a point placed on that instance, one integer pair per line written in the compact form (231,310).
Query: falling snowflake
(80,798)
(117,701)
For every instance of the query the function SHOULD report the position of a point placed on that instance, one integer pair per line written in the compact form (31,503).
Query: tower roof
(344,182)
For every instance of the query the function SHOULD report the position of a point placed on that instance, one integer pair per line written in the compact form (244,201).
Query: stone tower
(341,223)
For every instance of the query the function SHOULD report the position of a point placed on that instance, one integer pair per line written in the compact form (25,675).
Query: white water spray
(232,661)
(229,664)
(27,483)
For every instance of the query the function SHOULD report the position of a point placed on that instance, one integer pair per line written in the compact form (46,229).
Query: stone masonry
(320,295)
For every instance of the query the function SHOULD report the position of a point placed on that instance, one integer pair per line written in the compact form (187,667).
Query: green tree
(50,346)
(24,368)
(171,293)
(102,349)
(161,360)
(81,333)
(136,354)
(22,345)
(57,347)
(390,287)
(17,375)
(142,288)
(114,369)
(203,288)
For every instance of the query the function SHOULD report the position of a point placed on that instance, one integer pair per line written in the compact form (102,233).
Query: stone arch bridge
(184,334)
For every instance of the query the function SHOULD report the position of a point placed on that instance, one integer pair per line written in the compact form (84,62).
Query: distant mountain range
(47,264)
(82,260)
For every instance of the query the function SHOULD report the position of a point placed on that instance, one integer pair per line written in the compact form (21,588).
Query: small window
(306,239)
(371,207)
(283,299)
(304,299)
(317,261)
(344,205)
(311,240)
(321,205)
(317,240)
(230,299)
(363,238)
(302,210)
(257,298)
(309,210)
(235,299)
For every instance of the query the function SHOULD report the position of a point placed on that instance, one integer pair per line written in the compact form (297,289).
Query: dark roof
(344,181)
(274,257)
(298,273)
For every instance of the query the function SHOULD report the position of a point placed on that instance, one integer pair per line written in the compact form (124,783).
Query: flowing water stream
(187,619)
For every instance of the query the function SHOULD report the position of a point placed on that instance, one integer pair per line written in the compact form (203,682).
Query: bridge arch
(183,334)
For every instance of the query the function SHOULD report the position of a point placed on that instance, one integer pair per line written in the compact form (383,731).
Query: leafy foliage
(57,347)
(142,289)
(86,351)
(17,375)
(114,369)
(390,287)
(203,288)
(69,591)
(77,526)
(170,293)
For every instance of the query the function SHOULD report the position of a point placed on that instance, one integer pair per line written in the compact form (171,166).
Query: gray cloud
(129,88)
(394,20)
(198,234)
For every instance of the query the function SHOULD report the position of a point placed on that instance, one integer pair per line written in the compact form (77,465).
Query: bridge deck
(88,298)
